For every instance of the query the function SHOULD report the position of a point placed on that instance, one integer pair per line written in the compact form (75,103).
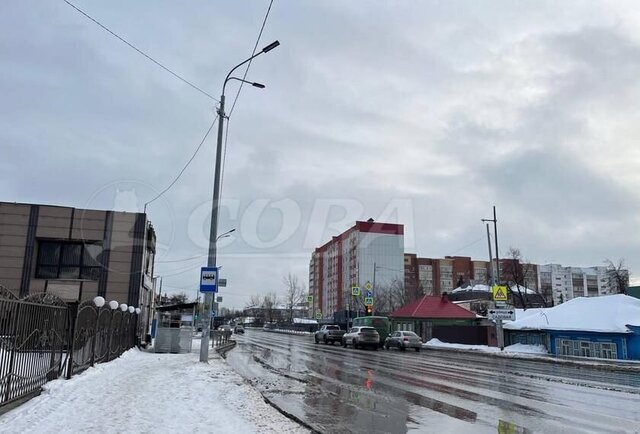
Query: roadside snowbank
(147,392)
(515,348)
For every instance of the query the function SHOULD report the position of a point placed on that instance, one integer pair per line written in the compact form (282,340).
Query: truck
(329,333)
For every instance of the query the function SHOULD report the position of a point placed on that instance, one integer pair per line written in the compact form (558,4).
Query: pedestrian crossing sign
(309,298)
(499,293)
(355,291)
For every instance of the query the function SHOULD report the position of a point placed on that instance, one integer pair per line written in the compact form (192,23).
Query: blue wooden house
(603,327)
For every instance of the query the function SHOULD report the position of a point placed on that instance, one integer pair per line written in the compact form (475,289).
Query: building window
(65,260)
(609,351)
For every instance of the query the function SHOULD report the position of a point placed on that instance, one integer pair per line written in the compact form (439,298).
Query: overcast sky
(423,113)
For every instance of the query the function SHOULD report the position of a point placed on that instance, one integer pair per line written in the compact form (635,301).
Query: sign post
(500,297)
(502,314)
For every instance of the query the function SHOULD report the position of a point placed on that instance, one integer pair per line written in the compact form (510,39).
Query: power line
(186,165)
(235,100)
(181,260)
(105,28)
(255,47)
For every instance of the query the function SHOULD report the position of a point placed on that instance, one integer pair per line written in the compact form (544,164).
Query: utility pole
(213,234)
(374,288)
(496,277)
(493,273)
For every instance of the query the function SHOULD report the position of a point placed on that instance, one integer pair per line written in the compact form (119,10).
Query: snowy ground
(146,392)
(515,348)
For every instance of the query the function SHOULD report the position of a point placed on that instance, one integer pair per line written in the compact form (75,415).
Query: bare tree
(521,276)
(294,293)
(178,298)
(269,302)
(617,275)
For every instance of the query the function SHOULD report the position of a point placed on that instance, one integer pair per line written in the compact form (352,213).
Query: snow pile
(304,321)
(515,348)
(147,392)
(610,313)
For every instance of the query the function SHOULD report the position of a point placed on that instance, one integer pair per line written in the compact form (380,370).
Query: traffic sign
(368,301)
(368,294)
(208,279)
(502,314)
(219,298)
(319,315)
(309,298)
(222,283)
(499,293)
(213,314)
(355,291)
(368,286)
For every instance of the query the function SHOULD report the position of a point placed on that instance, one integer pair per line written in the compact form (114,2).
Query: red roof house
(433,308)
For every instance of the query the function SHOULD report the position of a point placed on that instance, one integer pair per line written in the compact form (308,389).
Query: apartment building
(77,254)
(431,276)
(369,251)
(565,283)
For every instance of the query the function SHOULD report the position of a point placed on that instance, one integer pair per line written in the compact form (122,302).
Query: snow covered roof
(610,313)
(487,288)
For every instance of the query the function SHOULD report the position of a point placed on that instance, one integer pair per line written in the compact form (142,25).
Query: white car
(361,337)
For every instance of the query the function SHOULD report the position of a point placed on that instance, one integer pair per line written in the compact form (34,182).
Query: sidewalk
(146,393)
(534,352)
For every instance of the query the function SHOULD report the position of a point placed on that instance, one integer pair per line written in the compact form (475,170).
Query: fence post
(13,352)
(95,335)
(73,318)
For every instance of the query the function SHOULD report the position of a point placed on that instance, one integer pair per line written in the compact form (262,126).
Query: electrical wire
(139,51)
(186,165)
(235,100)
(255,47)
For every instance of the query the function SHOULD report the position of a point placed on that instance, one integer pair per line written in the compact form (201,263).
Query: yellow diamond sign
(499,293)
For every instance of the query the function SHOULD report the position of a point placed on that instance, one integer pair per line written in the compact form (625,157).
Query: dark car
(238,329)
(403,340)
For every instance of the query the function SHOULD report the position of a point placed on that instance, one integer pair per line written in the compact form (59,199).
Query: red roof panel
(431,306)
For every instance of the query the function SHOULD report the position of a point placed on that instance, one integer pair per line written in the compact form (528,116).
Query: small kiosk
(174,328)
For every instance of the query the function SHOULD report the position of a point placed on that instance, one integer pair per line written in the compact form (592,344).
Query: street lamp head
(258,85)
(270,47)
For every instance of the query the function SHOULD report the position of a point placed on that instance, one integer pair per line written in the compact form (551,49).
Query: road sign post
(502,314)
(209,279)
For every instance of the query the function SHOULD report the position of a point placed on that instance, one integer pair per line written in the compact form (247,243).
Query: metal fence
(42,338)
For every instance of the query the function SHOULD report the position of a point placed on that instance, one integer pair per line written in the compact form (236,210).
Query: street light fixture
(226,235)
(213,234)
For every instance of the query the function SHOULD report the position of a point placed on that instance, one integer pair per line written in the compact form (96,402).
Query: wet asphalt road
(338,390)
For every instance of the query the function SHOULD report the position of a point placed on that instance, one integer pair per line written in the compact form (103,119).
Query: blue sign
(213,314)
(208,279)
(369,294)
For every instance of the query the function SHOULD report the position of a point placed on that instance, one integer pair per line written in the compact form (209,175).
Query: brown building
(430,276)
(77,254)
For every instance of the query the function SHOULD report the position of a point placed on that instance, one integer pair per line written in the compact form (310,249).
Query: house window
(609,351)
(585,349)
(65,260)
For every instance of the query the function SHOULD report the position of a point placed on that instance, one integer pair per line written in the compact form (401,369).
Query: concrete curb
(578,362)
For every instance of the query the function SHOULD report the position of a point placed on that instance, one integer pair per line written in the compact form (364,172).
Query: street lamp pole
(213,233)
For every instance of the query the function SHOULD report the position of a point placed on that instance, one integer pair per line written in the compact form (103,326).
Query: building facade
(566,283)
(77,254)
(369,252)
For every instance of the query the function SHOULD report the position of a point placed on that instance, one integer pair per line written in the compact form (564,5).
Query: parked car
(329,333)
(225,327)
(361,337)
(238,329)
(403,340)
